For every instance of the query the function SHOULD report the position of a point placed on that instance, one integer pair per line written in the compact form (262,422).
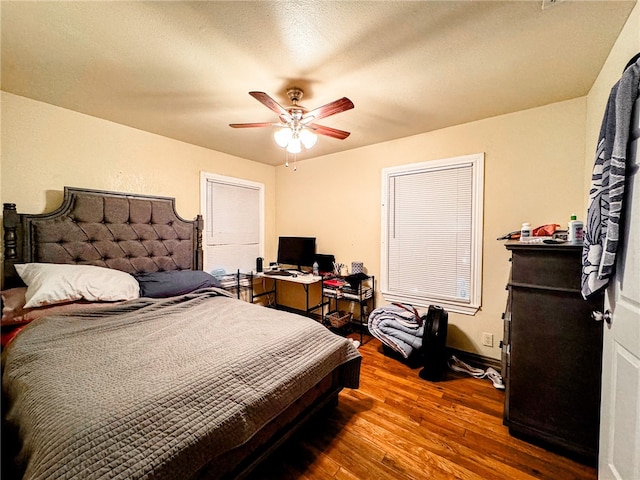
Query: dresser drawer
(550,268)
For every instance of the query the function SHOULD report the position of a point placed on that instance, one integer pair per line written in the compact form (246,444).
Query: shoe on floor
(495,378)
(458,365)
(356,343)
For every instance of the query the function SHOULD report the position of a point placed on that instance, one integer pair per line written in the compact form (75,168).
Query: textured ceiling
(184,69)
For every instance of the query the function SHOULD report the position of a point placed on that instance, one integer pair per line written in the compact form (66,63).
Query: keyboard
(278,273)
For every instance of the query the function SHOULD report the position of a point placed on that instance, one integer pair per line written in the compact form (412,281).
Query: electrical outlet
(487,339)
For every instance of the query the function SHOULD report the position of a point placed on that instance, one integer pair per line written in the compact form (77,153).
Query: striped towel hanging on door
(602,227)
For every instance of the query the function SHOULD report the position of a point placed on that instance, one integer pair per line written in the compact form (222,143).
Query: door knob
(599,316)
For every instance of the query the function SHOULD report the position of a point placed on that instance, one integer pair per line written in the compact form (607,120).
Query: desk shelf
(242,286)
(236,283)
(360,302)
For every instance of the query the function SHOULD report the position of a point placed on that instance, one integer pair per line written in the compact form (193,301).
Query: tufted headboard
(128,232)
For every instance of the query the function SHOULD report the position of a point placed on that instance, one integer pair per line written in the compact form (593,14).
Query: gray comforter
(149,388)
(397,328)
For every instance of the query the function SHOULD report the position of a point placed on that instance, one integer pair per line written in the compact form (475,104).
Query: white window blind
(233,223)
(432,233)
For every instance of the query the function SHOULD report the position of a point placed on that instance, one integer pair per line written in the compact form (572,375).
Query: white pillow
(50,283)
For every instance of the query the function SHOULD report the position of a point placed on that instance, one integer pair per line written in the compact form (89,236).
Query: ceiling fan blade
(332,108)
(250,125)
(328,131)
(269,102)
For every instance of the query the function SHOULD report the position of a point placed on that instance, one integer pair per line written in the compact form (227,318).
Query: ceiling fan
(296,123)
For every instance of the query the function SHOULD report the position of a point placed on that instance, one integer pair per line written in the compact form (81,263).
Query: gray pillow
(172,283)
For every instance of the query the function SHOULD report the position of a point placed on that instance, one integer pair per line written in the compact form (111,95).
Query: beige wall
(533,172)
(45,148)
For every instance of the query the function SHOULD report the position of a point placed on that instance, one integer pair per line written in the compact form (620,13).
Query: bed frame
(142,233)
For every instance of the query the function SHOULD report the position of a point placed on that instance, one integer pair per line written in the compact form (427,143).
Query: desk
(306,280)
(337,290)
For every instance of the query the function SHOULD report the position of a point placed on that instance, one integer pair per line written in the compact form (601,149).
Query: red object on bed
(9,334)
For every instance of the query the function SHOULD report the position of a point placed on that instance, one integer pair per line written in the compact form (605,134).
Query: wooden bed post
(198,255)
(11,242)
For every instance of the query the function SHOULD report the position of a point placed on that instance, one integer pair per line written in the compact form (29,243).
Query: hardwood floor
(398,426)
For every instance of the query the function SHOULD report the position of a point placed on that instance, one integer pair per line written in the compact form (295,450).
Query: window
(432,233)
(233,222)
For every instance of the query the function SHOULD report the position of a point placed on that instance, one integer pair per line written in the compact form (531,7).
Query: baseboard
(475,360)
(415,360)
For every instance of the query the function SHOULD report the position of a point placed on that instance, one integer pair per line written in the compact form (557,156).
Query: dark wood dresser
(552,351)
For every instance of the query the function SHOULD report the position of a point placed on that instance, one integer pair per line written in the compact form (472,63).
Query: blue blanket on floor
(397,328)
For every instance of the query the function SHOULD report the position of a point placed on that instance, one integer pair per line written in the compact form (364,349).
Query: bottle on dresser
(575,229)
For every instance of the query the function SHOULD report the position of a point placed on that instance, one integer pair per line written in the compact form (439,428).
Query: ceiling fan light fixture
(308,138)
(293,139)
(283,136)
(294,145)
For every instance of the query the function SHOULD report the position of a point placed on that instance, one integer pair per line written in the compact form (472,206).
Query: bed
(180,381)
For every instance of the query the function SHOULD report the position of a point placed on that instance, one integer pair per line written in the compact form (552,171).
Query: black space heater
(434,341)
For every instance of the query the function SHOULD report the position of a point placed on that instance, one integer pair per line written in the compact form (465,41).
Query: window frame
(476,161)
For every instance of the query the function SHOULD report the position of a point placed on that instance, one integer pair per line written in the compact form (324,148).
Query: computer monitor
(325,262)
(296,251)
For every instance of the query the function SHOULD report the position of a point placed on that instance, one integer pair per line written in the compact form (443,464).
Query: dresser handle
(599,316)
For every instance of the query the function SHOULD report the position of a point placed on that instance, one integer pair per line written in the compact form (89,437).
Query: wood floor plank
(420,444)
(408,453)
(530,458)
(401,427)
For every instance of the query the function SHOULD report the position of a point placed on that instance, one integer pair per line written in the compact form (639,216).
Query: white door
(619,456)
